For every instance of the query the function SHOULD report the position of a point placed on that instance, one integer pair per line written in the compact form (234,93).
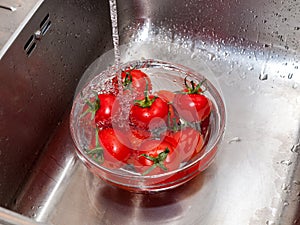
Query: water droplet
(235,139)
(296,148)
(296,182)
(286,162)
(263,76)
(243,75)
(250,68)
(270,222)
(194,55)
(295,85)
(285,203)
(226,54)
(211,56)
(286,188)
(290,75)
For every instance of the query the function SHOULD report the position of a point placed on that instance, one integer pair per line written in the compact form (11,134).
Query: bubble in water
(250,68)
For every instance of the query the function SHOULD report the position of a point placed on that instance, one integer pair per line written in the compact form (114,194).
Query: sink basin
(250,50)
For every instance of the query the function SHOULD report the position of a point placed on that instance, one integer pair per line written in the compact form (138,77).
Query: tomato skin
(166,95)
(137,136)
(136,80)
(173,118)
(116,146)
(192,107)
(151,117)
(108,106)
(153,148)
(205,126)
(188,142)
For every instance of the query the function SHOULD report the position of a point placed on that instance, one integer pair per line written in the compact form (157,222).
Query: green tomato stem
(128,80)
(157,161)
(97,152)
(193,89)
(92,107)
(146,102)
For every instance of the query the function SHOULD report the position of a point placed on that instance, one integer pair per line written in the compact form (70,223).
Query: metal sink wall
(249,49)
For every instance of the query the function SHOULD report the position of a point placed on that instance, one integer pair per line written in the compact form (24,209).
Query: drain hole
(32,41)
(46,27)
(30,50)
(44,21)
(45,24)
(29,42)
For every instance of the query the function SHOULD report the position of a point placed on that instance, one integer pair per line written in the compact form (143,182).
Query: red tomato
(191,104)
(192,107)
(149,113)
(188,142)
(166,95)
(136,80)
(137,136)
(173,118)
(205,126)
(155,157)
(117,148)
(107,107)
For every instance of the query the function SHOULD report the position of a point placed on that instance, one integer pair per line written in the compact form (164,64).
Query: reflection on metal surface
(255,177)
(8,217)
(38,89)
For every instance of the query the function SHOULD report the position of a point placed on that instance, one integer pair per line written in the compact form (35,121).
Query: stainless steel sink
(249,49)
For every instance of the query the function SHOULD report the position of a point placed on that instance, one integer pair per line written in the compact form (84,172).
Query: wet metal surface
(251,52)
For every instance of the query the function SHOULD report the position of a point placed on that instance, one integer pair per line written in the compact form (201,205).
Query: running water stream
(115,33)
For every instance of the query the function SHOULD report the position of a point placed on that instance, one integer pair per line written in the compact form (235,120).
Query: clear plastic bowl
(163,75)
